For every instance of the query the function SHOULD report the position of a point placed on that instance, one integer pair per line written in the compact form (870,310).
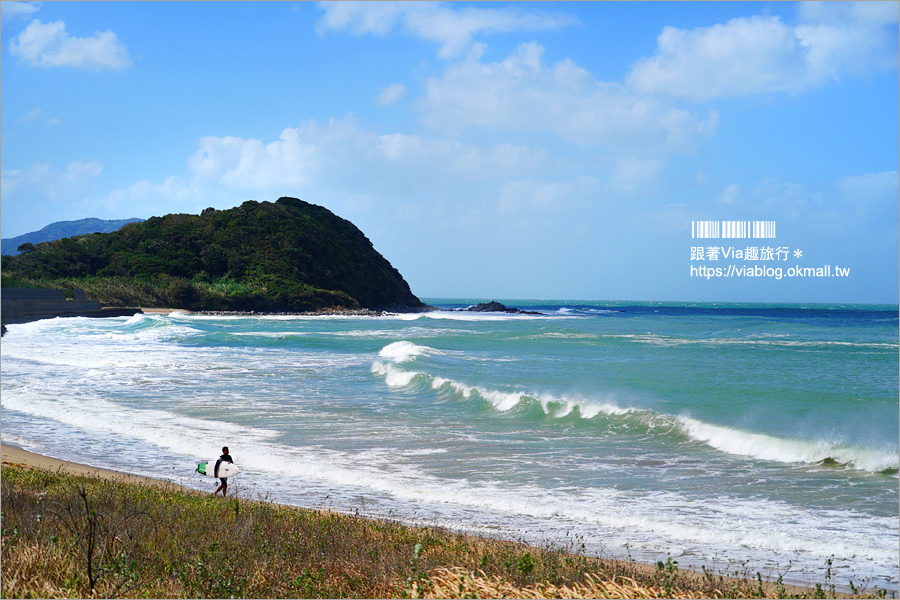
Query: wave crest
(403,351)
(787,450)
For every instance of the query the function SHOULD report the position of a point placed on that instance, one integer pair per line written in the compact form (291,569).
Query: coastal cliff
(260,256)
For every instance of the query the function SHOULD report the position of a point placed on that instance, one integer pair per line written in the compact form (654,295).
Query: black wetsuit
(223,458)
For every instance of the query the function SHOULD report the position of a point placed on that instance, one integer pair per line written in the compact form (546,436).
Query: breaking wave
(398,356)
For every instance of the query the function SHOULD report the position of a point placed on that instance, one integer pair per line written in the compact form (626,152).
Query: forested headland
(286,256)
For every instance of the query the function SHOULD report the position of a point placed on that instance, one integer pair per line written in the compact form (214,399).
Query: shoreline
(361,312)
(15,456)
(163,311)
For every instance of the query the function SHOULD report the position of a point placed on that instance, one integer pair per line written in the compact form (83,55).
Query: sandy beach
(15,456)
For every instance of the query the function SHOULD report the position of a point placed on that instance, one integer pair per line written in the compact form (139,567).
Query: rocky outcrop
(494,306)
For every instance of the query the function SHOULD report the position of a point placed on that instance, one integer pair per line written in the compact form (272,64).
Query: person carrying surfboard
(224,458)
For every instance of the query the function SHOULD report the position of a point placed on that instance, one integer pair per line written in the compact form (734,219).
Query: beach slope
(72,530)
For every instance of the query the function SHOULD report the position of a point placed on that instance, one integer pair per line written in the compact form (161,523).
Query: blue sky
(493,150)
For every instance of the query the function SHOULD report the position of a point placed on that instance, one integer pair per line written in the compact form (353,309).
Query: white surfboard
(208,467)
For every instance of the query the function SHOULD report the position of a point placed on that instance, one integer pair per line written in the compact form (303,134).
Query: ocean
(736,437)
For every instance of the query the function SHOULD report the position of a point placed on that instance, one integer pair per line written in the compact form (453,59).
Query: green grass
(72,536)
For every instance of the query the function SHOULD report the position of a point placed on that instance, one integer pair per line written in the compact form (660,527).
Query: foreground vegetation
(260,256)
(73,536)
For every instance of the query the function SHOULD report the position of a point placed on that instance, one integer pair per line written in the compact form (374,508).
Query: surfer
(224,458)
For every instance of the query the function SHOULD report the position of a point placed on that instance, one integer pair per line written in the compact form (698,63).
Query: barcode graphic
(733,229)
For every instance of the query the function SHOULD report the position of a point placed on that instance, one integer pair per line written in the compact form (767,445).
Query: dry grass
(459,583)
(73,536)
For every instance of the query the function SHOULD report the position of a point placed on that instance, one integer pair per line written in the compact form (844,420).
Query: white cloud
(49,45)
(78,171)
(535,196)
(871,196)
(850,38)
(840,13)
(452,158)
(522,94)
(173,192)
(436,21)
(846,204)
(730,194)
(250,164)
(11,10)
(31,115)
(34,114)
(632,174)
(42,179)
(752,55)
(882,185)
(391,94)
(342,153)
(10,181)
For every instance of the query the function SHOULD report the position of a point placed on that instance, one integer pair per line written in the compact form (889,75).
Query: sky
(488,150)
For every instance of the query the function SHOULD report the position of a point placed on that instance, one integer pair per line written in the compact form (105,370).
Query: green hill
(285,256)
(61,229)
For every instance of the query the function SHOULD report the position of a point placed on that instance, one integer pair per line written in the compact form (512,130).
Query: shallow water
(727,436)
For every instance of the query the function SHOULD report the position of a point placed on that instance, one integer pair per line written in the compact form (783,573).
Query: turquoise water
(751,437)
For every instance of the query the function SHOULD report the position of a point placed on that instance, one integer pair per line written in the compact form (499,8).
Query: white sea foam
(403,351)
(565,335)
(561,406)
(785,450)
(269,334)
(109,347)
(462,315)
(672,341)
(643,519)
(503,401)
(393,376)
(411,331)
(661,519)
(161,428)
(399,352)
